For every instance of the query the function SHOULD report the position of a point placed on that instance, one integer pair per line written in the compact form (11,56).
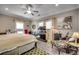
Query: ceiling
(45,10)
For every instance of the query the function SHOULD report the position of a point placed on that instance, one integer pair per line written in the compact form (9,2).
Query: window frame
(18,25)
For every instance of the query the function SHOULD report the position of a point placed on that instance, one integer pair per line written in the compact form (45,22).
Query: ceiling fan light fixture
(29,12)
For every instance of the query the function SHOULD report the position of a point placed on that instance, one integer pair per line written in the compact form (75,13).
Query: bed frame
(20,50)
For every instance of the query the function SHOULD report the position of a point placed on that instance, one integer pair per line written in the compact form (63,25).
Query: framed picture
(67,23)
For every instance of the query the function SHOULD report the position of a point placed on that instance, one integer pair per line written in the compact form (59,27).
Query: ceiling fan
(29,10)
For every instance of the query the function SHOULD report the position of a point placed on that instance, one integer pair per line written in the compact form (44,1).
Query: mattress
(12,41)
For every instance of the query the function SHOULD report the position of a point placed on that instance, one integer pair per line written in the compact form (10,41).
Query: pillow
(72,39)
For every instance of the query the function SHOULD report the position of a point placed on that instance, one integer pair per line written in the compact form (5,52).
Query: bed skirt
(21,49)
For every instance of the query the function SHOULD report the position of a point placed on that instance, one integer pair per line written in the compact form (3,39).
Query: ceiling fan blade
(38,14)
(32,14)
(36,11)
(30,5)
(25,12)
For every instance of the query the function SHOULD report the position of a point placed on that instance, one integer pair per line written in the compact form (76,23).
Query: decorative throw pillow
(72,39)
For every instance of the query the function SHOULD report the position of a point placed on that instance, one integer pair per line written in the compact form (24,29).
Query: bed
(16,44)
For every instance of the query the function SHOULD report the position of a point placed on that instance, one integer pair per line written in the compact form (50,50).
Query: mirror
(33,26)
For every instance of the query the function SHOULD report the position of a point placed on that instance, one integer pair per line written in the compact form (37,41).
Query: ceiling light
(6,9)
(28,11)
(57,4)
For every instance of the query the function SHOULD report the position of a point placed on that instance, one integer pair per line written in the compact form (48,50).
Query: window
(19,27)
(48,24)
(41,24)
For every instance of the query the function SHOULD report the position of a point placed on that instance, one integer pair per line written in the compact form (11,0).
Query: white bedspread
(11,41)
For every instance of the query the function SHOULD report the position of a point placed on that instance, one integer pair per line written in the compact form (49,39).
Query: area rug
(36,51)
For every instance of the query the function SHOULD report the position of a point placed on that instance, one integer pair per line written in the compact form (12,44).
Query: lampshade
(75,35)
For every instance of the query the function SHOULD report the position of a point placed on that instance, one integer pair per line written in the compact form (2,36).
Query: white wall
(76,21)
(7,22)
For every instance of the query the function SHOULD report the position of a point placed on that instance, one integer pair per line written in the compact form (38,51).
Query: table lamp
(76,36)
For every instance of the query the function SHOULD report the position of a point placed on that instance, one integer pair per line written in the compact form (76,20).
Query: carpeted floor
(36,51)
(45,49)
